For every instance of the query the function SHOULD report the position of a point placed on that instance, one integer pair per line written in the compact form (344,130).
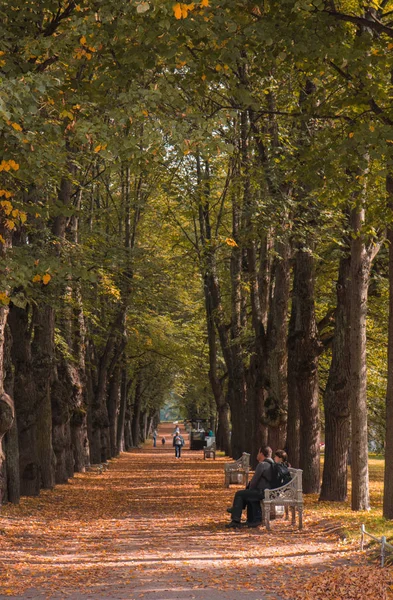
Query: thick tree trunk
(61,433)
(223,434)
(11,437)
(113,409)
(360,275)
(304,349)
(42,362)
(223,439)
(137,407)
(336,397)
(25,402)
(388,478)
(7,411)
(277,335)
(122,412)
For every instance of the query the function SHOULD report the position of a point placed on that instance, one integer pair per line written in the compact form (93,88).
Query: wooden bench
(209,451)
(289,495)
(237,471)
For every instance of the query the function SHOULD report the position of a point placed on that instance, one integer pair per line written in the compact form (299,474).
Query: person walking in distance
(178,443)
(154,438)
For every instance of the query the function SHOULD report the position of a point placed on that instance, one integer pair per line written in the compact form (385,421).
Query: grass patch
(351,520)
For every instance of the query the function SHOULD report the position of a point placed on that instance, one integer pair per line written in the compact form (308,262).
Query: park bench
(238,470)
(289,495)
(209,451)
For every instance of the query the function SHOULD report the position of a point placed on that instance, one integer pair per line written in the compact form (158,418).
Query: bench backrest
(290,492)
(241,463)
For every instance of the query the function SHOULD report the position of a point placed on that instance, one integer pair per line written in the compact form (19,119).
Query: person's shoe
(254,523)
(233,525)
(229,509)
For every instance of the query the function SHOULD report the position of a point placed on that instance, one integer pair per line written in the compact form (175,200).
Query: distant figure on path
(178,443)
(253,495)
(154,438)
(163,440)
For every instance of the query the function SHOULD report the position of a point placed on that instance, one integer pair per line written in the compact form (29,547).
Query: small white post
(383,542)
(362,529)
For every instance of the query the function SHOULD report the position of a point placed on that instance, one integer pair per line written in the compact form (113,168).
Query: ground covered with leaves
(153,527)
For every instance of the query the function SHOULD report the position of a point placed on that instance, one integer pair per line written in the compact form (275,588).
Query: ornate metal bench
(209,451)
(238,470)
(289,495)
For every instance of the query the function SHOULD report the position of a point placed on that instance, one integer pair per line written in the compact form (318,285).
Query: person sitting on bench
(254,493)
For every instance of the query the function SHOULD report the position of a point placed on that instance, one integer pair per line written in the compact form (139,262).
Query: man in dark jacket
(255,492)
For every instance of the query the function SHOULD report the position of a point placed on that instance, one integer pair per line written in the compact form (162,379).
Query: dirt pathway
(153,527)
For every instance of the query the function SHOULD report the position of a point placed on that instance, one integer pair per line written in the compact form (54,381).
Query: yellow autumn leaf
(16,126)
(177,11)
(390,46)
(22,216)
(82,40)
(4,298)
(372,128)
(97,148)
(36,278)
(230,242)
(205,3)
(2,240)
(9,224)
(15,213)
(46,279)
(351,134)
(6,206)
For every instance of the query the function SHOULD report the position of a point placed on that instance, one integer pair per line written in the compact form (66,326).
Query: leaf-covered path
(153,527)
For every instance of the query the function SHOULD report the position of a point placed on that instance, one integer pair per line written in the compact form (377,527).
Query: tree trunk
(336,397)
(137,407)
(113,409)
(303,352)
(122,412)
(7,412)
(360,275)
(277,334)
(11,437)
(25,401)
(388,478)
(42,363)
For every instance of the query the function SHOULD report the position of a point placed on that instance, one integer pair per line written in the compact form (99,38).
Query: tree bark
(336,397)
(276,410)
(113,409)
(303,352)
(122,412)
(42,363)
(137,407)
(11,437)
(25,401)
(360,275)
(388,477)
(7,411)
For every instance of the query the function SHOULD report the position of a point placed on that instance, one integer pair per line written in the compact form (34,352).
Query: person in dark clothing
(254,493)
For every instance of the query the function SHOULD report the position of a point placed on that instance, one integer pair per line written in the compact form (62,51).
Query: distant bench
(289,495)
(237,471)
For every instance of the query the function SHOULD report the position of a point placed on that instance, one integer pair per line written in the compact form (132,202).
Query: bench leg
(300,511)
(286,508)
(267,517)
(293,511)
